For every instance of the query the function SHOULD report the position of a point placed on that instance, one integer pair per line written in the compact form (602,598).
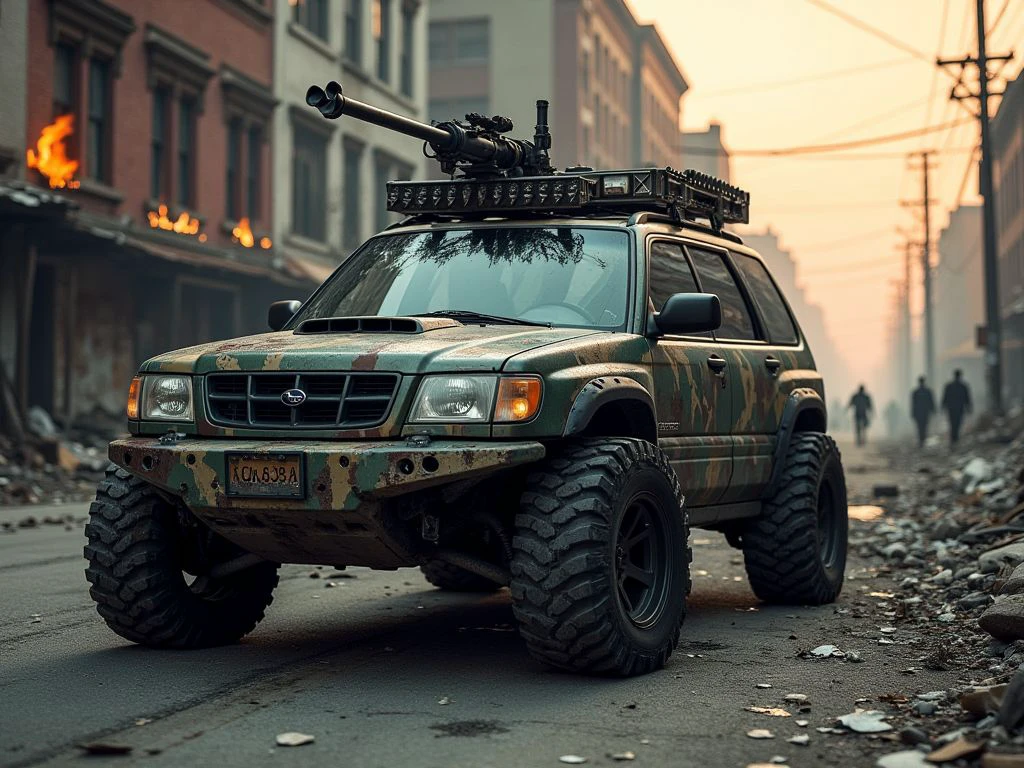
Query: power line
(839,146)
(829,75)
(865,27)
(935,72)
(875,119)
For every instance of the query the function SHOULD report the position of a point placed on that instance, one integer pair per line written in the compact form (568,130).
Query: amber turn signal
(134,391)
(518,398)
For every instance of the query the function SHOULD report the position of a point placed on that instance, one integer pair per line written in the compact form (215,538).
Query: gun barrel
(446,138)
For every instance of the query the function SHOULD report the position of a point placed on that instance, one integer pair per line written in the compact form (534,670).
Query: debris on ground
(770,711)
(760,733)
(294,739)
(572,759)
(948,554)
(100,748)
(53,465)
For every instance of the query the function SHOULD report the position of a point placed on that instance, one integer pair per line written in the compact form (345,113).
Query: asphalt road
(385,671)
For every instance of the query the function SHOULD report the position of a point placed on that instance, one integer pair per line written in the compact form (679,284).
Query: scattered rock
(770,711)
(909,758)
(1002,760)
(293,739)
(760,733)
(797,698)
(824,651)
(994,559)
(955,750)
(801,739)
(622,756)
(572,759)
(1004,619)
(925,707)
(912,735)
(865,721)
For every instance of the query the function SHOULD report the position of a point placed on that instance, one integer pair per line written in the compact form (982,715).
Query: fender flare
(799,401)
(601,391)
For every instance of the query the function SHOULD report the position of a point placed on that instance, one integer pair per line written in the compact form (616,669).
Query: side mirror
(281,312)
(687,313)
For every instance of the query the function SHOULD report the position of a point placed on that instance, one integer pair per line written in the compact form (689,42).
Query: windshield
(562,276)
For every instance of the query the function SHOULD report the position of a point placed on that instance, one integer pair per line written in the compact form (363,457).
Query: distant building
(704,151)
(163,120)
(13,65)
(958,282)
(329,176)
(1008,178)
(810,316)
(614,86)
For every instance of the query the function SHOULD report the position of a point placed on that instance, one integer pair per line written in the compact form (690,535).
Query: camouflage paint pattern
(718,431)
(343,485)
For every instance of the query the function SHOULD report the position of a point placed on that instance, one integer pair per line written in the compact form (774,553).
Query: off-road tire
(795,552)
(565,588)
(135,572)
(454,579)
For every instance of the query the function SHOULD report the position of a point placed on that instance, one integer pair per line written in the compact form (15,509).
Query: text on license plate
(275,475)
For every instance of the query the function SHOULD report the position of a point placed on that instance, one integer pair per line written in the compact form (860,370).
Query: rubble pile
(52,466)
(952,544)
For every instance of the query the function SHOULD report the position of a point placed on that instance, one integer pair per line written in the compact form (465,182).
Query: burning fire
(50,156)
(184,224)
(242,233)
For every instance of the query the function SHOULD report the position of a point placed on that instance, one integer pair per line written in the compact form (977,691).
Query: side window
(670,273)
(766,295)
(716,278)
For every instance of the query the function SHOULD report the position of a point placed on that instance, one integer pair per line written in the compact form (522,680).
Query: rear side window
(670,273)
(766,295)
(716,278)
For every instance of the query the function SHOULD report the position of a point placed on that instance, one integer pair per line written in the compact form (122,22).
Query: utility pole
(960,92)
(926,265)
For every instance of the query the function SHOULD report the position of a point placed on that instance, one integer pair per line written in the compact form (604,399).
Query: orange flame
(50,156)
(242,233)
(184,224)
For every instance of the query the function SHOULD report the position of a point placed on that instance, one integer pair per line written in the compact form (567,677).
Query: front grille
(333,400)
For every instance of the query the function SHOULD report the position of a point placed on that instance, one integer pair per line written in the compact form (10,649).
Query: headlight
(167,398)
(454,399)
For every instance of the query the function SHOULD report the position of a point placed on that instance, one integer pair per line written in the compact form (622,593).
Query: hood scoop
(374,324)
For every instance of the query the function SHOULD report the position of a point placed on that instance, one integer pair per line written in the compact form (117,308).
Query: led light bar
(683,195)
(566,192)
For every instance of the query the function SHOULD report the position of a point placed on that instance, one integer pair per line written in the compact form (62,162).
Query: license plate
(275,475)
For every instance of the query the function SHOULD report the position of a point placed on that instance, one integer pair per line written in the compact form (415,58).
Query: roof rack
(681,195)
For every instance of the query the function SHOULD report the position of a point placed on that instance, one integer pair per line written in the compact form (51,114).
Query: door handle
(773,364)
(717,365)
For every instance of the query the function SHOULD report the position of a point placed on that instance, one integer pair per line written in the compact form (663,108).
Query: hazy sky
(837,215)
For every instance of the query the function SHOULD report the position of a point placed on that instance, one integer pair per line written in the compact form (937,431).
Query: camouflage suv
(541,403)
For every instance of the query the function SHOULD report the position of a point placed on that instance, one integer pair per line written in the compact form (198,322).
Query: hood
(435,350)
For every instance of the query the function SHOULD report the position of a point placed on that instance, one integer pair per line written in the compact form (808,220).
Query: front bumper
(339,476)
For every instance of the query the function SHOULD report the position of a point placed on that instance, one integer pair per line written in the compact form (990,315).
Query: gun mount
(476,148)
(500,175)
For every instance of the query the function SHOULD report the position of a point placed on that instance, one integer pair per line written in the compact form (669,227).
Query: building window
(309,184)
(234,168)
(254,182)
(98,131)
(585,73)
(382,34)
(65,77)
(408,31)
(459,43)
(158,176)
(353,192)
(186,151)
(354,30)
(312,14)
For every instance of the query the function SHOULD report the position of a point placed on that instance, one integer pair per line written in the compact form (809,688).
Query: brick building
(162,235)
(1008,179)
(614,86)
(958,282)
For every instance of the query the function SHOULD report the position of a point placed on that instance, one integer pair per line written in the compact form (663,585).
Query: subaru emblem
(293,397)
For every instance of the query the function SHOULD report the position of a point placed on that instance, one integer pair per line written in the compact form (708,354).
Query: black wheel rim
(828,528)
(641,560)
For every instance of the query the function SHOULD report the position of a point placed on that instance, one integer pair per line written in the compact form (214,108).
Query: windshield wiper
(466,315)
